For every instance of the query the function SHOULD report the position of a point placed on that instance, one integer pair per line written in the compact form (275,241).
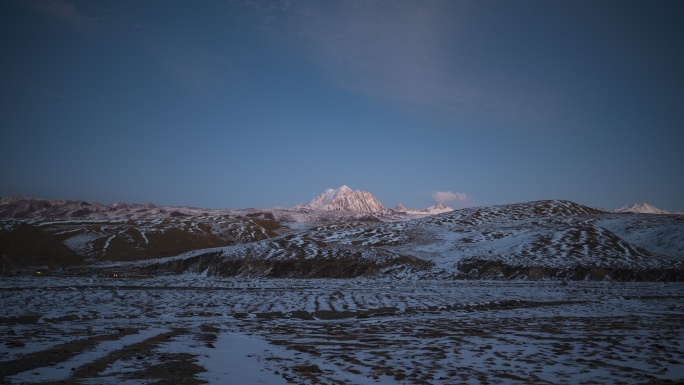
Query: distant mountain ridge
(332,204)
(342,203)
(37,208)
(348,200)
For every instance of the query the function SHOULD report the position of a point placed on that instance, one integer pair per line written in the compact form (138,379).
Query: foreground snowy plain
(192,330)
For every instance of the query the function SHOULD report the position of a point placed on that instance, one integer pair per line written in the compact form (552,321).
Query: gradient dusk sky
(236,104)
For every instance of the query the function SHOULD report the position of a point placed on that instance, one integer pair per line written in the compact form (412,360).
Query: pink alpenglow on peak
(641,208)
(437,208)
(345,199)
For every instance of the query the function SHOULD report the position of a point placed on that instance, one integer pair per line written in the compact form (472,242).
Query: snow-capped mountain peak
(401,208)
(641,208)
(437,208)
(345,199)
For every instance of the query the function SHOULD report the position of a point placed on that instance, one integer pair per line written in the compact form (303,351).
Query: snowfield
(194,329)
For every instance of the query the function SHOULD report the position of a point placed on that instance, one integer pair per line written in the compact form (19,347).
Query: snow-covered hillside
(347,236)
(535,240)
(38,242)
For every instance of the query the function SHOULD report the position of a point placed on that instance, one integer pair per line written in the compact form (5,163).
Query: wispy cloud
(195,68)
(448,196)
(408,53)
(387,51)
(37,89)
(63,10)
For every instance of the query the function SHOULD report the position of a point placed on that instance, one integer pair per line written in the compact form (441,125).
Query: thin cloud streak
(37,89)
(404,53)
(63,10)
(195,68)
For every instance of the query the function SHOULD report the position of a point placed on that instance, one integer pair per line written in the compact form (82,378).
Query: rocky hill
(22,245)
(50,242)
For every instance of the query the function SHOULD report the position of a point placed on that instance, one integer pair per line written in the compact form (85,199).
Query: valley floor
(193,330)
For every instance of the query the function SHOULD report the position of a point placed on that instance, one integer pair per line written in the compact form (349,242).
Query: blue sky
(234,104)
